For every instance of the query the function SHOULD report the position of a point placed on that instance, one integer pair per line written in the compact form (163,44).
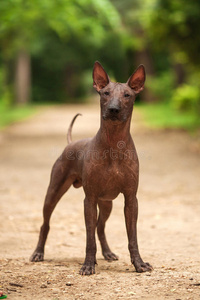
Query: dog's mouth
(112,117)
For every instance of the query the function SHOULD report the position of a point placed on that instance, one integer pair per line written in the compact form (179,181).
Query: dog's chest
(107,180)
(111,183)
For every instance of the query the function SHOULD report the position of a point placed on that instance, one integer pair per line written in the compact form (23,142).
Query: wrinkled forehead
(118,88)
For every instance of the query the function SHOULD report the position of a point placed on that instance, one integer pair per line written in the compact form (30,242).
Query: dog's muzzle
(112,113)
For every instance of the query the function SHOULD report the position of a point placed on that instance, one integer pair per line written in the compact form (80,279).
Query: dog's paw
(110,256)
(37,256)
(87,269)
(143,267)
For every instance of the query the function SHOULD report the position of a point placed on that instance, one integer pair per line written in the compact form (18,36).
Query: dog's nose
(114,110)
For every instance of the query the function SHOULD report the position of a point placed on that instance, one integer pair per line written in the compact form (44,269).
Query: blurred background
(48,48)
(47,52)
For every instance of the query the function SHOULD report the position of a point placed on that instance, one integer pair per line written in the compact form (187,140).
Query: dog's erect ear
(137,79)
(100,77)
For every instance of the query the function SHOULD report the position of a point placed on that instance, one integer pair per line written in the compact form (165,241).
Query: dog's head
(117,99)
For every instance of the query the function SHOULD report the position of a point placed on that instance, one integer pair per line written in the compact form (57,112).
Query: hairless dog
(105,165)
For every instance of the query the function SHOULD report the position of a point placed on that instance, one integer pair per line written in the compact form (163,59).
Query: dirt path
(168,227)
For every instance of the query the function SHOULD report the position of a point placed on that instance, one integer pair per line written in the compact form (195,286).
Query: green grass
(163,116)
(10,115)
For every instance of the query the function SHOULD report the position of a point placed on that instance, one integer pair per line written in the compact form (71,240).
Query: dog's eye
(106,93)
(126,95)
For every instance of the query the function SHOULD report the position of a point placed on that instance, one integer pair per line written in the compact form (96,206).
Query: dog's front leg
(131,215)
(90,211)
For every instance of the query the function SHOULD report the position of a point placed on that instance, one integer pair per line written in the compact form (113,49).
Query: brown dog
(105,166)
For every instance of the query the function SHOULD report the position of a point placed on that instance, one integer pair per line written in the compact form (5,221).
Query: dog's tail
(69,133)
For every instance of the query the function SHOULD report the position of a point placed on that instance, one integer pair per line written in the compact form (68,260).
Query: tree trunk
(180,73)
(144,57)
(23,78)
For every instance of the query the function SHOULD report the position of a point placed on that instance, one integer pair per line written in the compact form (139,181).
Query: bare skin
(105,166)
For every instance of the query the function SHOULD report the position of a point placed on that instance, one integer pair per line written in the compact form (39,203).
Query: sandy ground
(168,226)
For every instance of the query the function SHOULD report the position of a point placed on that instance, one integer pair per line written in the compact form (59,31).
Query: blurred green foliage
(58,41)
(10,115)
(63,38)
(163,85)
(163,116)
(186,98)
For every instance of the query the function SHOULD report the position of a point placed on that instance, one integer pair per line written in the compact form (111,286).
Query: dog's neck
(111,134)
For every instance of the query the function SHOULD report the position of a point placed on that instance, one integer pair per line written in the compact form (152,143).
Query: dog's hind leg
(105,208)
(59,184)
